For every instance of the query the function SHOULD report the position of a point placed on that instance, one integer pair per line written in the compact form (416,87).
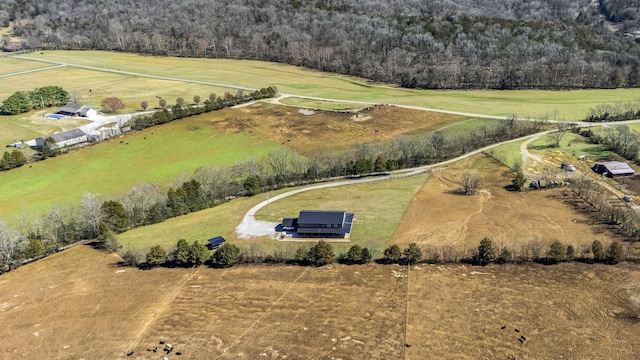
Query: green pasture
(568,105)
(466,126)
(9,65)
(572,144)
(378,208)
(323,105)
(95,86)
(158,154)
(508,154)
(31,125)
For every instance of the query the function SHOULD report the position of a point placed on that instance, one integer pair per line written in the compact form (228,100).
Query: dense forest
(500,44)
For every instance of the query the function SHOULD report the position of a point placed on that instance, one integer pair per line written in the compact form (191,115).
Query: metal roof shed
(215,242)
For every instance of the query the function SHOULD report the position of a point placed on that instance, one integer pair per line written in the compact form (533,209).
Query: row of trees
(180,110)
(322,253)
(40,98)
(557,252)
(614,112)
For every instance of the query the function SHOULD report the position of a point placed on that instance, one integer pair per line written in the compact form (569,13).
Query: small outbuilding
(215,242)
(613,169)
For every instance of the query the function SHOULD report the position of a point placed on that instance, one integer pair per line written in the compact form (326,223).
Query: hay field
(510,219)
(569,105)
(159,154)
(75,305)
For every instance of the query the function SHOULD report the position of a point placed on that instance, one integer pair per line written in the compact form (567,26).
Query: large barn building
(613,169)
(320,224)
(65,138)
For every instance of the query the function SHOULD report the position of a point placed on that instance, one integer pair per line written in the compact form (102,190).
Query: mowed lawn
(159,154)
(378,208)
(568,105)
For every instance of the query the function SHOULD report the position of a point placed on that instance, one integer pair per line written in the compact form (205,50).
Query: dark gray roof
(72,107)
(66,135)
(216,241)
(321,217)
(290,222)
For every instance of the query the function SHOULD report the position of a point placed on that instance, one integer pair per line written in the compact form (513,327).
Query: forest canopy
(448,44)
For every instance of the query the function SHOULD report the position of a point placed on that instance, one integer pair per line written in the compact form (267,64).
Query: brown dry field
(439,216)
(75,305)
(333,129)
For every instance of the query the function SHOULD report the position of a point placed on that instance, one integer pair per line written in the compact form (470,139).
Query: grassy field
(316,104)
(508,154)
(158,154)
(79,304)
(569,105)
(9,65)
(132,90)
(379,207)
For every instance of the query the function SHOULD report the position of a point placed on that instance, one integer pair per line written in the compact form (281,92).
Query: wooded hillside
(501,44)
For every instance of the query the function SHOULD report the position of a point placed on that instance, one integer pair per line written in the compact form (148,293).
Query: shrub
(156,256)
(615,252)
(557,252)
(226,255)
(392,255)
(321,254)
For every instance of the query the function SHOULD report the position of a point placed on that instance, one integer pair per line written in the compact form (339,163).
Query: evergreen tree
(557,252)
(115,216)
(321,254)
(412,254)
(34,248)
(181,253)
(197,253)
(598,251)
(226,255)
(615,252)
(486,252)
(357,255)
(156,256)
(392,254)
(17,103)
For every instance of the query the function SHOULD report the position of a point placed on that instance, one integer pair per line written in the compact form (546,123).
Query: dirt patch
(307,133)
(510,219)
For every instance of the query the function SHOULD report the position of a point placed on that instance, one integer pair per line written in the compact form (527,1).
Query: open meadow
(568,105)
(79,305)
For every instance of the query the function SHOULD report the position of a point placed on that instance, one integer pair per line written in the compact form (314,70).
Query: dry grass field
(511,219)
(79,305)
(337,129)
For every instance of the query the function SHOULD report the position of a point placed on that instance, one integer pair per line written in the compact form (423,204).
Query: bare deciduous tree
(470,183)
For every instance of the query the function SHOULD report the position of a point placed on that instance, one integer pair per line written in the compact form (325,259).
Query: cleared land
(510,219)
(569,105)
(159,154)
(77,305)
(333,130)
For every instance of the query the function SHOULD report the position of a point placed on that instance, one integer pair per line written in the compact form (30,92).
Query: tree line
(39,98)
(322,253)
(614,112)
(210,186)
(502,44)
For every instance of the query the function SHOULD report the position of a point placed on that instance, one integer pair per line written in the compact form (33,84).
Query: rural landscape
(222,198)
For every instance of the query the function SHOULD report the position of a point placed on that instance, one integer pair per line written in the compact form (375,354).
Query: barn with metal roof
(321,224)
(613,169)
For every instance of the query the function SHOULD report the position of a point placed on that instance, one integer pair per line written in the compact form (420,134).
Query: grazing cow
(523,338)
(130,353)
(517,330)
